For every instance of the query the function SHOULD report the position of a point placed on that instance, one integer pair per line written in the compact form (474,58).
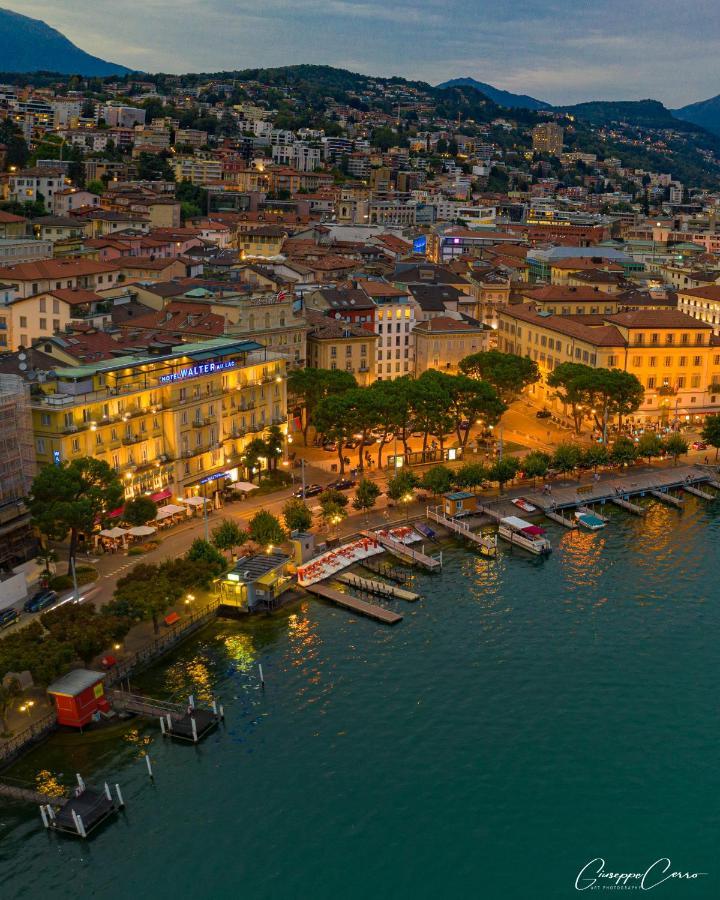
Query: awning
(113,532)
(244,486)
(142,531)
(170,510)
(116,512)
(161,495)
(195,501)
(533,529)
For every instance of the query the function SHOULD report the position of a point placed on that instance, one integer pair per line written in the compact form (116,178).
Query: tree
(613,392)
(401,488)
(95,187)
(650,445)
(624,451)
(80,627)
(274,444)
(297,515)
(566,457)
(536,464)
(9,692)
(332,497)
(71,496)
(507,373)
(504,470)
(676,446)
(188,574)
(335,419)
(366,495)
(430,399)
(140,511)
(228,535)
(144,593)
(595,455)
(470,401)
(307,387)
(252,457)
(570,381)
(471,475)
(437,480)
(711,432)
(203,550)
(265,528)
(46,556)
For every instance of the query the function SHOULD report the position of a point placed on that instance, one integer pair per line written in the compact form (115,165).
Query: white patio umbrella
(194,501)
(142,531)
(115,532)
(244,486)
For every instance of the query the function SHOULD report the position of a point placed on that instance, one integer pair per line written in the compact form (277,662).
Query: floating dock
(381,588)
(404,552)
(560,519)
(628,506)
(77,815)
(665,497)
(486,542)
(187,723)
(691,489)
(354,604)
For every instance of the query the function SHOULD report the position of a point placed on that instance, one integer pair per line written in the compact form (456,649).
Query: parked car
(699,445)
(311,490)
(41,600)
(330,447)
(543,414)
(341,484)
(351,444)
(7,617)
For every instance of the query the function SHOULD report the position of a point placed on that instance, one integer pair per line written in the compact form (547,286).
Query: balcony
(133,439)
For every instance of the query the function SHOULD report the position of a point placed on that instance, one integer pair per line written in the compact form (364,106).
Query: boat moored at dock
(520,533)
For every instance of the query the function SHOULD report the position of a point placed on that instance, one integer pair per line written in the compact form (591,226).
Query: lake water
(526,717)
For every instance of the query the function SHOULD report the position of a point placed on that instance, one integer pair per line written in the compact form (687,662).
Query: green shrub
(136,551)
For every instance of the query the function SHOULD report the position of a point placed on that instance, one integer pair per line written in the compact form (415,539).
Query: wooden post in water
(194,729)
(119,795)
(43,816)
(169,724)
(162,725)
(80,782)
(262,679)
(222,712)
(107,792)
(50,812)
(149,765)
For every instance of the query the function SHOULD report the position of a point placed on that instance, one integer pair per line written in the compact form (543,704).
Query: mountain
(641,113)
(32,46)
(705,113)
(502,98)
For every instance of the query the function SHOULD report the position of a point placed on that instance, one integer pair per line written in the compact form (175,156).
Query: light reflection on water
(515,694)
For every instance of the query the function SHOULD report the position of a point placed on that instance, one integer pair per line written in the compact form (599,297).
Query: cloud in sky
(563,51)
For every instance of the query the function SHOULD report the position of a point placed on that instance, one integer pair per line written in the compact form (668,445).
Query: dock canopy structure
(79,697)
(460,503)
(255,581)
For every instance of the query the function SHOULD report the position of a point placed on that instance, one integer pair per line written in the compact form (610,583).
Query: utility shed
(79,697)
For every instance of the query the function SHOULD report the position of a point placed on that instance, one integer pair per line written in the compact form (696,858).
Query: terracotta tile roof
(706,292)
(600,336)
(446,323)
(556,293)
(657,318)
(55,268)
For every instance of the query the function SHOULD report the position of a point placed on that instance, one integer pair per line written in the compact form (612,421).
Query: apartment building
(175,422)
(25,320)
(334,344)
(673,355)
(46,275)
(702,303)
(548,138)
(441,342)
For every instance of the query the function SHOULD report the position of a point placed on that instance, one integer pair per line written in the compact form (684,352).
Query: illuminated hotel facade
(170,424)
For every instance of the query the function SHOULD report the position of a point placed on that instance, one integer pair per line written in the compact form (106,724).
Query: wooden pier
(665,497)
(405,552)
(628,506)
(486,542)
(691,489)
(347,601)
(560,519)
(381,588)
(187,723)
(386,570)
(77,815)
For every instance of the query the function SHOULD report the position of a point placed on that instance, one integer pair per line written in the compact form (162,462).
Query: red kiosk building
(79,697)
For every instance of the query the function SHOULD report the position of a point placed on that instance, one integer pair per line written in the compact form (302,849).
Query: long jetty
(560,519)
(666,497)
(371,586)
(484,541)
(354,604)
(405,552)
(633,508)
(691,489)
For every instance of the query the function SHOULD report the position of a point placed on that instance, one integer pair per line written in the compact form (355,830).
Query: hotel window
(98,437)
(637,361)
(668,361)
(56,307)
(75,445)
(654,338)
(682,361)
(113,434)
(695,381)
(681,382)
(42,304)
(639,338)
(40,445)
(23,321)
(651,381)
(612,361)
(45,418)
(684,338)
(43,324)
(652,362)
(669,339)
(697,360)
(56,324)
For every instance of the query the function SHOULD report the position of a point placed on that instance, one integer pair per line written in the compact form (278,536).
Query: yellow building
(673,355)
(177,420)
(441,342)
(548,138)
(568,300)
(265,241)
(25,320)
(335,344)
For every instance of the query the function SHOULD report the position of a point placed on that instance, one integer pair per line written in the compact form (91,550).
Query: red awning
(533,529)
(116,512)
(161,495)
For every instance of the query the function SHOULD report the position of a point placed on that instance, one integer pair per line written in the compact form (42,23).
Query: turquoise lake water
(526,717)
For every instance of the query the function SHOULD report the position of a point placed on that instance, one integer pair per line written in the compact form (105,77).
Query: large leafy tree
(437,480)
(335,418)
(297,515)
(613,392)
(504,470)
(265,528)
(507,373)
(571,384)
(366,495)
(624,450)
(69,498)
(471,400)
(650,445)
(80,627)
(430,398)
(566,457)
(140,511)
(228,535)
(274,443)
(711,432)
(144,593)
(308,387)
(387,401)
(676,446)
(536,464)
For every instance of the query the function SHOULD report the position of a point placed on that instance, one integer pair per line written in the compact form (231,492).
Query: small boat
(524,505)
(589,520)
(522,534)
